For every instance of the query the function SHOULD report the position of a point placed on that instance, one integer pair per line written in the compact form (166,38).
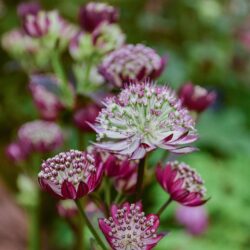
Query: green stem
(65,91)
(89,225)
(140,177)
(164,206)
(107,192)
(117,198)
(34,230)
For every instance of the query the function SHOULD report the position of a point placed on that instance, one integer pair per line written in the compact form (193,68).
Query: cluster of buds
(182,183)
(144,117)
(129,228)
(40,136)
(45,92)
(131,63)
(93,14)
(70,175)
(196,98)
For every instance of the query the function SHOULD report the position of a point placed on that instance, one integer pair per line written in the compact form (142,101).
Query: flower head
(196,98)
(16,152)
(183,184)
(86,115)
(108,37)
(70,175)
(93,14)
(31,8)
(41,136)
(142,118)
(129,228)
(131,63)
(44,90)
(195,219)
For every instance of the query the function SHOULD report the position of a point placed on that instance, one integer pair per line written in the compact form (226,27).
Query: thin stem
(164,206)
(118,197)
(89,225)
(107,192)
(140,177)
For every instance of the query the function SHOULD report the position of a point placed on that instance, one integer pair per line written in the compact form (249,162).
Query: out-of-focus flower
(44,89)
(131,63)
(195,97)
(183,183)
(129,228)
(40,136)
(50,26)
(66,208)
(144,117)
(30,8)
(93,14)
(16,152)
(195,219)
(70,175)
(86,115)
(108,37)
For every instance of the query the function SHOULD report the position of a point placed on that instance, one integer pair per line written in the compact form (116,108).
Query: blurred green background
(201,39)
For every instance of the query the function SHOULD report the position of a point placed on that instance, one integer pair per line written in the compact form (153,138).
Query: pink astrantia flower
(129,228)
(93,14)
(70,175)
(195,219)
(30,8)
(144,117)
(44,89)
(183,184)
(40,136)
(131,63)
(16,152)
(86,115)
(196,98)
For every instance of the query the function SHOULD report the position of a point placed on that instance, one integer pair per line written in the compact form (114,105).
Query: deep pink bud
(86,115)
(71,175)
(195,219)
(40,136)
(66,208)
(45,91)
(183,184)
(93,14)
(30,8)
(195,97)
(129,228)
(16,152)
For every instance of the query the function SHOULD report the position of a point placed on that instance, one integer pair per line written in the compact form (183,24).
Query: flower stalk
(140,177)
(89,225)
(164,206)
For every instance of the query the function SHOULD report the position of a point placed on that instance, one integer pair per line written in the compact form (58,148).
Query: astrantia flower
(30,8)
(51,27)
(16,152)
(44,89)
(41,136)
(86,115)
(129,228)
(131,63)
(108,37)
(93,14)
(196,98)
(183,184)
(144,117)
(70,175)
(195,219)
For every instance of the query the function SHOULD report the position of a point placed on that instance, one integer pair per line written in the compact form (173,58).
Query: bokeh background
(207,42)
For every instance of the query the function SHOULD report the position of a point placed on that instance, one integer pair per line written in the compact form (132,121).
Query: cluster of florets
(41,136)
(183,183)
(129,228)
(131,63)
(143,117)
(70,175)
